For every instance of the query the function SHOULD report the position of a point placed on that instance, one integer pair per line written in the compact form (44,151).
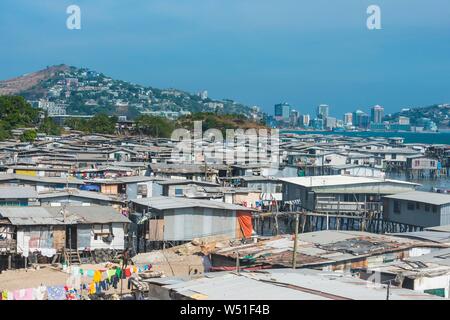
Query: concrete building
(403,120)
(348,118)
(377,114)
(282,111)
(304,120)
(330,123)
(323,111)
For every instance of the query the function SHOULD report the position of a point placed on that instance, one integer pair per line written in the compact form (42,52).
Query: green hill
(82,91)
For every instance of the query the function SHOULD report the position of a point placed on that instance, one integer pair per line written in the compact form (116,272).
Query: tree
(49,127)
(28,136)
(16,112)
(4,133)
(77,124)
(158,127)
(102,123)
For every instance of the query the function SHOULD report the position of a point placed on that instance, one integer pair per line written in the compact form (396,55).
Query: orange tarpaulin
(245,223)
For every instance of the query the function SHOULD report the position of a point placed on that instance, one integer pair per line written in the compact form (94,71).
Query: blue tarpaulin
(90,187)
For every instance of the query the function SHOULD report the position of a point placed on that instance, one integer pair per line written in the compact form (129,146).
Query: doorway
(71,237)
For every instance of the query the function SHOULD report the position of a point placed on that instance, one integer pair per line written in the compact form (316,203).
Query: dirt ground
(47,275)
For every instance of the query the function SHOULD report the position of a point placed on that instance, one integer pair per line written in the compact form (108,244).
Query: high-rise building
(356,117)
(293,118)
(282,111)
(304,120)
(364,121)
(348,118)
(361,119)
(330,123)
(323,111)
(317,124)
(377,114)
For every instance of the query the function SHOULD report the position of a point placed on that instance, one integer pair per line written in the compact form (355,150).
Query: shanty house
(424,209)
(18,196)
(341,193)
(182,219)
(75,197)
(39,183)
(50,230)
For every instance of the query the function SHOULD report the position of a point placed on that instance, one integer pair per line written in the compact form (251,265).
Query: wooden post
(294,254)
(388,289)
(237,263)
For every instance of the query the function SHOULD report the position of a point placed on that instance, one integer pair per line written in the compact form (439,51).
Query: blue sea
(410,137)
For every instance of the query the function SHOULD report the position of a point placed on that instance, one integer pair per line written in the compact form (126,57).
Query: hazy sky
(259,52)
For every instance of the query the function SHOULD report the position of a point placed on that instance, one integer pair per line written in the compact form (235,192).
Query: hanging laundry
(97,276)
(23,294)
(92,288)
(48,252)
(39,293)
(56,293)
(128,272)
(115,281)
(71,294)
(90,273)
(7,295)
(75,271)
(110,273)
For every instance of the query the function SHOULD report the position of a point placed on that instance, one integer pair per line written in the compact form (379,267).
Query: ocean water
(410,137)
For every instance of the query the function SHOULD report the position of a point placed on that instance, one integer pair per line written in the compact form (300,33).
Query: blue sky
(259,52)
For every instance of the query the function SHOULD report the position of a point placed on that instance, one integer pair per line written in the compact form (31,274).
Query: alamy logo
(74,20)
(374,19)
(240,146)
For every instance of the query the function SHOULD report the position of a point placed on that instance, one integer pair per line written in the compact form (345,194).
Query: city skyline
(267,54)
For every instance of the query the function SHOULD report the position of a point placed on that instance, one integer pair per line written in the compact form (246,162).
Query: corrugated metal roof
(441,237)
(285,284)
(55,216)
(17,193)
(30,216)
(424,197)
(76,193)
(338,180)
(92,214)
(166,203)
(235,287)
(445,228)
(56,180)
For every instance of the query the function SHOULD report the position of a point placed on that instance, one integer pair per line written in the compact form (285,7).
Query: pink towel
(23,294)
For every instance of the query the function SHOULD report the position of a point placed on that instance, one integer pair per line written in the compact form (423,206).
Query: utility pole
(388,290)
(294,254)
